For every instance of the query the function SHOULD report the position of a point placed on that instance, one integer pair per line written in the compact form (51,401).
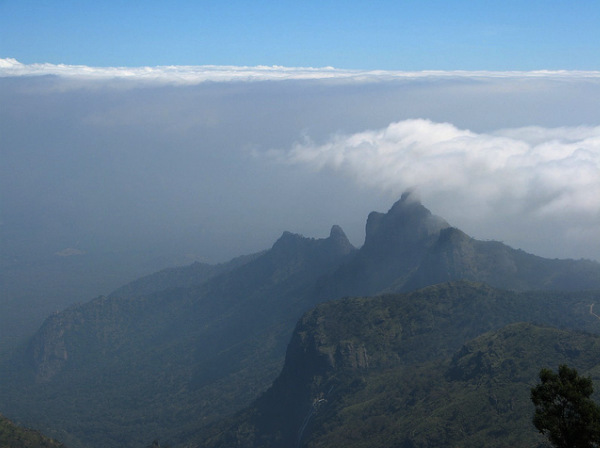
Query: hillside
(12,436)
(441,367)
(477,398)
(170,354)
(160,363)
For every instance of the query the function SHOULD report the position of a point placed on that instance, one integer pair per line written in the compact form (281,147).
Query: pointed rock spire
(340,241)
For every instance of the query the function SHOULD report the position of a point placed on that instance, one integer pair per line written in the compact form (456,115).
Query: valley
(292,345)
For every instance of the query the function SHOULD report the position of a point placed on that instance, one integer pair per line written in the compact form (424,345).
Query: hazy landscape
(212,240)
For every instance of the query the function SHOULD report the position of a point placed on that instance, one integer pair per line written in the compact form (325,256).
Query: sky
(203,130)
(375,35)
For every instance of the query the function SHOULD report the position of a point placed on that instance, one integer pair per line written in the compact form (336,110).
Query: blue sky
(390,35)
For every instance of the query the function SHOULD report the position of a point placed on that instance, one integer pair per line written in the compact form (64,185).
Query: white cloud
(515,182)
(476,161)
(198,74)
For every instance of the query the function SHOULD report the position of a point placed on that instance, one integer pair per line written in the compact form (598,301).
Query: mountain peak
(337,244)
(407,222)
(337,232)
(407,198)
(339,241)
(409,205)
(290,242)
(288,235)
(395,244)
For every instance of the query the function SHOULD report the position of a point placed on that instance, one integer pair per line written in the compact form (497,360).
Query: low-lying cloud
(522,184)
(10,67)
(169,154)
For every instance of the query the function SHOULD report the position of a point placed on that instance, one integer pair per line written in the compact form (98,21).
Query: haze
(215,167)
(142,136)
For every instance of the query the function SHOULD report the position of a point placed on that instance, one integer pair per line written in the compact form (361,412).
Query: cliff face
(365,363)
(48,349)
(91,334)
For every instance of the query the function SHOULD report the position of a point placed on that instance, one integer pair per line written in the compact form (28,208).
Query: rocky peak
(339,241)
(289,243)
(406,224)
(288,237)
(337,233)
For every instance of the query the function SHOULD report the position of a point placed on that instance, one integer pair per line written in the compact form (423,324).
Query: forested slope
(448,365)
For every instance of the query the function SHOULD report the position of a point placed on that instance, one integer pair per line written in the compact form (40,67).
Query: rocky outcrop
(48,350)
(406,231)
(395,244)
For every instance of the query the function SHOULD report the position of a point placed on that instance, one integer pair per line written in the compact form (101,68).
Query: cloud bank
(543,182)
(10,67)
(168,151)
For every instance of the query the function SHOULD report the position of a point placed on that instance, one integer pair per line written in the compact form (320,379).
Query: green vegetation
(418,369)
(564,411)
(168,356)
(12,435)
(132,367)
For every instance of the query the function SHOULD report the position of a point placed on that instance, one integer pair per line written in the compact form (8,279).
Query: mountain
(456,256)
(157,363)
(443,366)
(170,354)
(12,436)
(395,244)
(409,248)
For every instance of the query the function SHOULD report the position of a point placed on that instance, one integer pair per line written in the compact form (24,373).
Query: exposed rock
(48,349)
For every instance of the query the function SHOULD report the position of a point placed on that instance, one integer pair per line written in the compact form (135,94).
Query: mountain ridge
(188,340)
(185,347)
(409,248)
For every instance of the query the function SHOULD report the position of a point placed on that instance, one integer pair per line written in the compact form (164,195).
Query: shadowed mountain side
(410,248)
(456,256)
(395,244)
(369,371)
(206,350)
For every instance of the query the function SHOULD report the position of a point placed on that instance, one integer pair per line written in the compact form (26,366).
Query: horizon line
(191,74)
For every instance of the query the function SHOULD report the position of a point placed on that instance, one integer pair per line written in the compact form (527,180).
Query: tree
(564,411)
